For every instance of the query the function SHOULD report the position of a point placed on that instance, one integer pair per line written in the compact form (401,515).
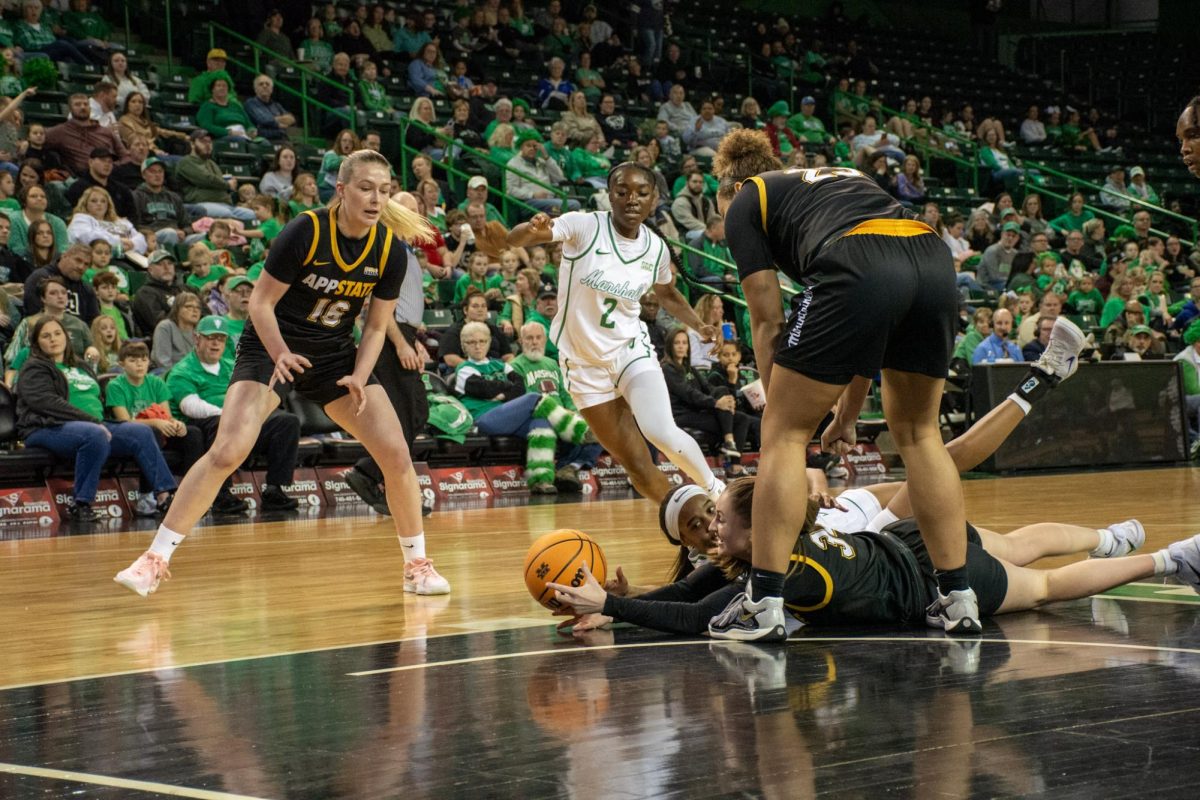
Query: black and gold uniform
(329,277)
(879,288)
(834,579)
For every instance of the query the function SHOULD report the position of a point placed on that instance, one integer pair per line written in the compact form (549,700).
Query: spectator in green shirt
(588,166)
(137,396)
(371,91)
(807,126)
(477,267)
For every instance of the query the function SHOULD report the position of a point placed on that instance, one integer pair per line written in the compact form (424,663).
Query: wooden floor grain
(250,590)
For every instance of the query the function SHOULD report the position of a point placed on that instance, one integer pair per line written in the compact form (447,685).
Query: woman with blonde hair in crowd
(581,125)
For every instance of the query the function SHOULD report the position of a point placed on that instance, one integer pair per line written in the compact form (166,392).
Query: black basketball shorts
(873,301)
(318,383)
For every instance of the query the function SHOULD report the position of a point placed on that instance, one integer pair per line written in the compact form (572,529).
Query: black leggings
(718,422)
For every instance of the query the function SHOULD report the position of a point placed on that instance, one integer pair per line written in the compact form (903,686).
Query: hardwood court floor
(284,660)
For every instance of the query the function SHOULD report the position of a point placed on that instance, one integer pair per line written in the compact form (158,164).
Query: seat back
(8,415)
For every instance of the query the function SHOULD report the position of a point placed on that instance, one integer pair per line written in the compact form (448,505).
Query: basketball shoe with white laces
(1061,358)
(1127,536)
(748,621)
(957,612)
(421,578)
(1186,554)
(144,574)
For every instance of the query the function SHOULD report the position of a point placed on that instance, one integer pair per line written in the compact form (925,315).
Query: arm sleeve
(285,259)
(392,274)
(748,242)
(196,408)
(672,617)
(698,584)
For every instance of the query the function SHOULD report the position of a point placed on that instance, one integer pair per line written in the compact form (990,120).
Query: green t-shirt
(255,271)
(374,96)
(1086,302)
(810,129)
(114,313)
(298,208)
(492,370)
(136,399)
(215,273)
(465,283)
(966,346)
(561,155)
(542,376)
(190,377)
(586,164)
(85,25)
(319,52)
(83,390)
(716,250)
(235,328)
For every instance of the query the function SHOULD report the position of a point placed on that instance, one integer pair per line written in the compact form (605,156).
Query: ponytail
(406,225)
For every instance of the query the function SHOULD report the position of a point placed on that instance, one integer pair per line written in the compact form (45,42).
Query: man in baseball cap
(157,207)
(477,192)
(99,173)
(199,87)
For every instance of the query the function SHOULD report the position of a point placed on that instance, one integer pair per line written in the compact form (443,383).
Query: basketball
(558,557)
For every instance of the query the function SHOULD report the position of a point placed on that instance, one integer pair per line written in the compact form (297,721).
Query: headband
(674,504)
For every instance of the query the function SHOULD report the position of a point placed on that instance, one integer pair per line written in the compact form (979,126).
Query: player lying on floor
(885,577)
(685,517)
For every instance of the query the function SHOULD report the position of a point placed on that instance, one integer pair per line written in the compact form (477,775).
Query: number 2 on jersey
(818,174)
(328,314)
(610,305)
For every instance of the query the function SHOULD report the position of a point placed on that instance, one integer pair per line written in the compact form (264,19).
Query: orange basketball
(558,557)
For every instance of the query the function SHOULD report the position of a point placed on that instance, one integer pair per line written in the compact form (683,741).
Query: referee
(398,370)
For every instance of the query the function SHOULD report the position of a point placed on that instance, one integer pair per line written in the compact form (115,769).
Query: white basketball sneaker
(144,574)
(1127,536)
(1061,358)
(421,578)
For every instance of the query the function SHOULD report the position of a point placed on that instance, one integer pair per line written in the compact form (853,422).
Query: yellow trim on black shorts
(889,227)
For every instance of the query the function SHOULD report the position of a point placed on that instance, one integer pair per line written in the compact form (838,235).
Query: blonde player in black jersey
(320,271)
(879,294)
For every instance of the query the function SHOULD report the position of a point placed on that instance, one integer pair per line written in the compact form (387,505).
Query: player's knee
(910,433)
(227,454)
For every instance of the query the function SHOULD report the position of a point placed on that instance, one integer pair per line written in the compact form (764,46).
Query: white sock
(1024,404)
(165,542)
(1107,543)
(881,520)
(413,546)
(1163,563)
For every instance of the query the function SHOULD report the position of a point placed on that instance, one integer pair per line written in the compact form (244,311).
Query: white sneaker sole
(129,584)
(411,588)
(775,634)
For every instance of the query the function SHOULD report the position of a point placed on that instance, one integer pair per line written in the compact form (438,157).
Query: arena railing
(453,151)
(306,74)
(1081,184)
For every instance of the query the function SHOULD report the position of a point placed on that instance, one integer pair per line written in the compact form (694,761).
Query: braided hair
(649,221)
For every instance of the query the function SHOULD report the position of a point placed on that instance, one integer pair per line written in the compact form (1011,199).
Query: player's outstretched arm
(537,230)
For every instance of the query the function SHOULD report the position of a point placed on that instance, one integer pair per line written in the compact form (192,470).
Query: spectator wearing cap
(204,187)
(1139,188)
(807,125)
(477,192)
(157,207)
(1140,344)
(543,314)
(222,114)
(103,103)
(99,172)
(198,385)
(530,164)
(1114,194)
(81,297)
(996,263)
(156,296)
(783,139)
(997,347)
(75,139)
(269,117)
(199,87)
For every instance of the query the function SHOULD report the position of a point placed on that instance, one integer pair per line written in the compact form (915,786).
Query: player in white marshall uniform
(610,259)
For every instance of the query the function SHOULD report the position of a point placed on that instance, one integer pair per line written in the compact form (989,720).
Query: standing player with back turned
(319,272)
(879,293)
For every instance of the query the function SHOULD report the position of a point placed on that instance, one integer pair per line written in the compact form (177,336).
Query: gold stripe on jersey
(387,248)
(337,257)
(762,199)
(820,570)
(889,227)
(312,249)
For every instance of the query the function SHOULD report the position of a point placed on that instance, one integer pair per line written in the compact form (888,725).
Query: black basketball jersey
(847,577)
(329,277)
(781,219)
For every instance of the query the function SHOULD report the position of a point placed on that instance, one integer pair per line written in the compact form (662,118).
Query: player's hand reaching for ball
(357,392)
(587,598)
(540,222)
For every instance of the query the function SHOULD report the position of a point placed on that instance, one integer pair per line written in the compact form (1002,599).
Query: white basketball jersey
(601,281)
